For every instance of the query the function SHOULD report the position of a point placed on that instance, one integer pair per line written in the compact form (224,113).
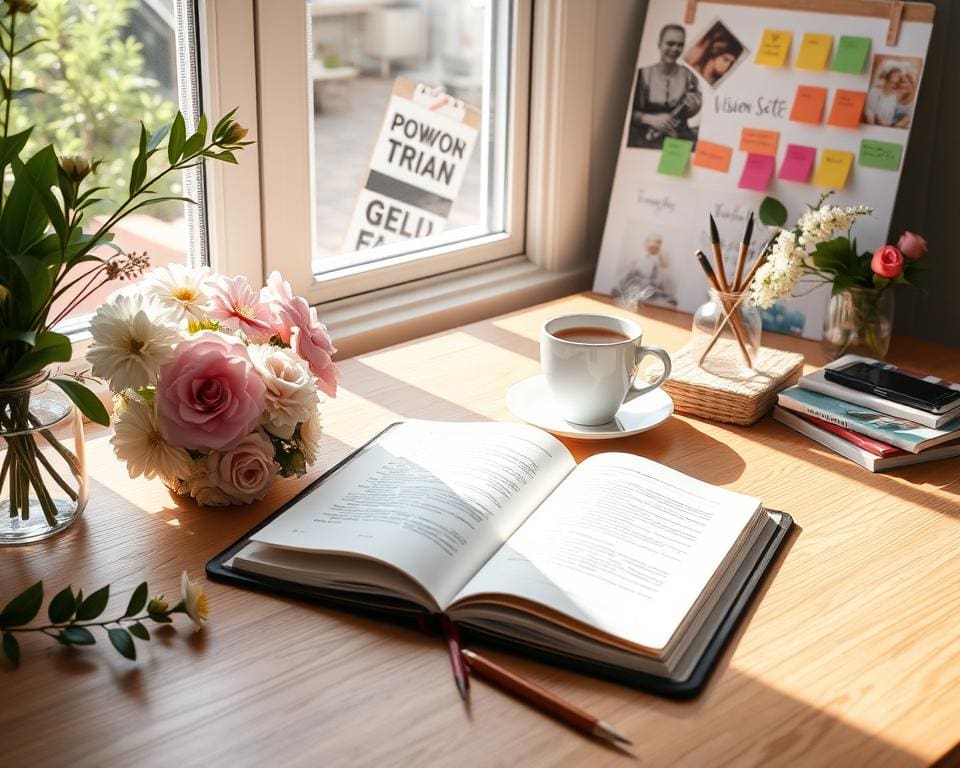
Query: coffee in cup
(590,363)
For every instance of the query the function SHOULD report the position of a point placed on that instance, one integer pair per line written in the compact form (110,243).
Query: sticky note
(797,163)
(814,51)
(757,172)
(880,154)
(833,169)
(774,47)
(851,55)
(808,104)
(716,157)
(758,142)
(675,156)
(847,109)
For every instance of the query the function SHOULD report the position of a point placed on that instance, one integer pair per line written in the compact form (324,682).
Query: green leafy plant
(72,615)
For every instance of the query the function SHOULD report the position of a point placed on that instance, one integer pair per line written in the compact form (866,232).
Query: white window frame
(258,221)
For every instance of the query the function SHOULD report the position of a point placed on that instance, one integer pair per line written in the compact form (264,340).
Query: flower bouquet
(821,248)
(217,385)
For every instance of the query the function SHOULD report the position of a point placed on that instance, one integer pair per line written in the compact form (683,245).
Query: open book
(617,560)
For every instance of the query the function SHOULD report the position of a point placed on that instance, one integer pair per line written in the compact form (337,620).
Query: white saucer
(530,400)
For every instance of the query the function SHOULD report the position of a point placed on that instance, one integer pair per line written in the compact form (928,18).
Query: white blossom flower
(778,276)
(291,395)
(194,601)
(138,442)
(181,289)
(821,224)
(133,337)
(310,431)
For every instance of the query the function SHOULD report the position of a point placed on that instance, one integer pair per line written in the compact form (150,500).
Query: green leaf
(50,348)
(88,403)
(137,600)
(123,643)
(226,156)
(156,137)
(161,618)
(11,146)
(772,212)
(139,170)
(11,649)
(222,124)
(138,630)
(24,218)
(178,135)
(9,334)
(155,200)
(77,636)
(46,198)
(94,605)
(23,608)
(22,93)
(62,606)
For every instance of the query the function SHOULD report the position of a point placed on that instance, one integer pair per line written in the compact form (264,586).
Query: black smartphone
(895,386)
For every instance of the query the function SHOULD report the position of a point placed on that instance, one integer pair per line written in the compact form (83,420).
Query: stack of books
(875,432)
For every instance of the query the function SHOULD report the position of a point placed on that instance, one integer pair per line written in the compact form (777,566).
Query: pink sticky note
(757,172)
(797,163)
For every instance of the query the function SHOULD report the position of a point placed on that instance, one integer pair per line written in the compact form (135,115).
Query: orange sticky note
(758,142)
(847,109)
(814,51)
(833,169)
(716,157)
(774,47)
(808,104)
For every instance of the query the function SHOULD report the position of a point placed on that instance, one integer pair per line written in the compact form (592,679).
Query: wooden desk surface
(851,657)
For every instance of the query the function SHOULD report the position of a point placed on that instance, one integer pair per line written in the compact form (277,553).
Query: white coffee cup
(592,377)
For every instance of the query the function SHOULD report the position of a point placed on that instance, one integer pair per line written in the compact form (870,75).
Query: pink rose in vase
(912,246)
(887,261)
(210,394)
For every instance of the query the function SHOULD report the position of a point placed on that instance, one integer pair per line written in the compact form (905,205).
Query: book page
(625,545)
(433,499)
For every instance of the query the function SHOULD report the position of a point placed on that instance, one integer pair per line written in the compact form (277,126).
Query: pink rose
(887,261)
(912,245)
(210,394)
(243,473)
(297,326)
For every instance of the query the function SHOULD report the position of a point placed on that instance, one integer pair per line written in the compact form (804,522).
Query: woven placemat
(734,400)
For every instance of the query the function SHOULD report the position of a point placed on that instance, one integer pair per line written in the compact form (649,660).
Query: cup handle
(643,352)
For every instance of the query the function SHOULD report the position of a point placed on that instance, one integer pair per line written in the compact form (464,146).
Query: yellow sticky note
(774,47)
(814,51)
(833,169)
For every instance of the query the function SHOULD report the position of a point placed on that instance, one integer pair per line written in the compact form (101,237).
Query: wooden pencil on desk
(543,699)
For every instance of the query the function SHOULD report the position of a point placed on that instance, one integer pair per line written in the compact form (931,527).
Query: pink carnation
(210,394)
(235,303)
(297,325)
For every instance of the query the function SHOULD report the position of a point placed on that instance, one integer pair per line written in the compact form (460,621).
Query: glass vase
(726,335)
(43,473)
(858,321)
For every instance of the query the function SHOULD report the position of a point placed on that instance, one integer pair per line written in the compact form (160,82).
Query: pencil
(452,635)
(728,310)
(718,255)
(543,699)
(742,254)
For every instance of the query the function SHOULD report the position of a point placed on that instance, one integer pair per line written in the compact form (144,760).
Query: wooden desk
(851,657)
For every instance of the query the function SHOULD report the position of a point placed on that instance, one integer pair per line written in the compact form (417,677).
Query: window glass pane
(410,120)
(107,66)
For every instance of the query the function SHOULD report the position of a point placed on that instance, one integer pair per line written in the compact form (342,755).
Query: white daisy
(181,289)
(194,601)
(291,395)
(133,337)
(138,442)
(310,437)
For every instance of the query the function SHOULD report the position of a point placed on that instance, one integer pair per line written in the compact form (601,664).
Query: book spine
(836,444)
(862,429)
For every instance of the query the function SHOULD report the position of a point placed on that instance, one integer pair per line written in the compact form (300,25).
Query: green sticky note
(675,156)
(880,154)
(851,55)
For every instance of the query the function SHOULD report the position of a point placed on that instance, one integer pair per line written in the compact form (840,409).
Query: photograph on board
(715,54)
(667,95)
(644,275)
(894,81)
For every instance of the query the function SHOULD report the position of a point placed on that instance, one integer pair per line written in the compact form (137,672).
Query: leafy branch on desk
(72,616)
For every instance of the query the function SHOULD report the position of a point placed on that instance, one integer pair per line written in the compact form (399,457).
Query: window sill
(392,315)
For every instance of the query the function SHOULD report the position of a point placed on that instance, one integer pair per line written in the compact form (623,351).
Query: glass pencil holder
(726,335)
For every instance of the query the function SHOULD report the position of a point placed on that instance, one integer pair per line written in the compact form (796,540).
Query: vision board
(746,102)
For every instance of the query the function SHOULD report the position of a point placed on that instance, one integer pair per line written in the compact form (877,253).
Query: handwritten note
(774,47)
(847,109)
(757,172)
(808,104)
(716,157)
(851,55)
(675,156)
(814,51)
(797,163)
(833,169)
(880,154)
(758,142)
